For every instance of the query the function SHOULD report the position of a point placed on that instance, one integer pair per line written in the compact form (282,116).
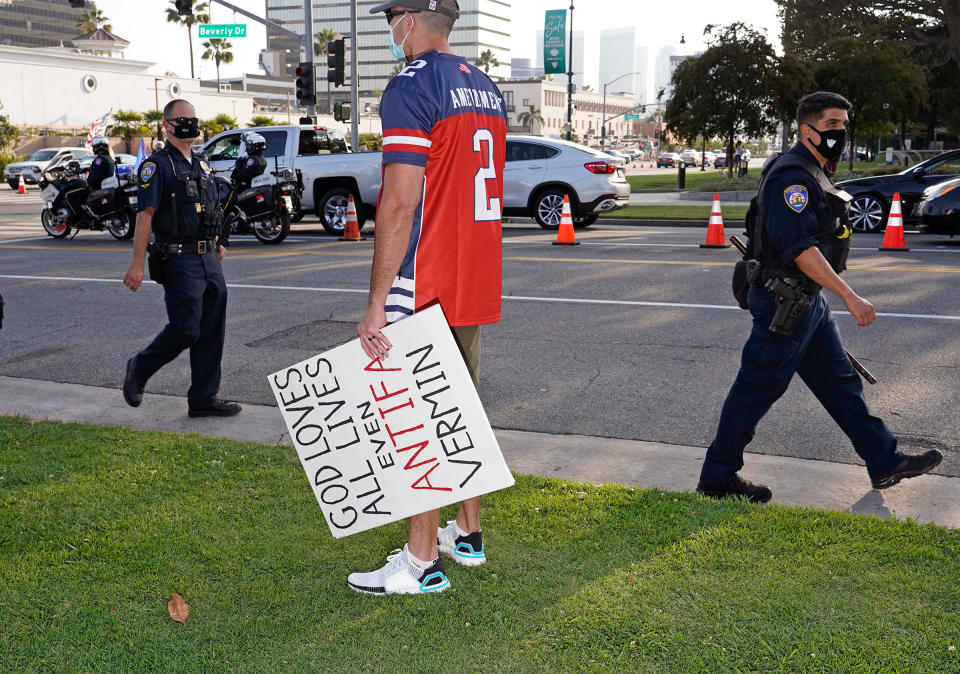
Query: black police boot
(735,486)
(911,466)
(216,408)
(132,389)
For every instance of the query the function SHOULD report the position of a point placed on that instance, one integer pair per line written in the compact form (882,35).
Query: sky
(142,22)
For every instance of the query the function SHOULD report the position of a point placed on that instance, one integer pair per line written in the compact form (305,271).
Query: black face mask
(187,131)
(831,143)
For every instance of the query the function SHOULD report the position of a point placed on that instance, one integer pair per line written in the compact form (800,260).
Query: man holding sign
(438,239)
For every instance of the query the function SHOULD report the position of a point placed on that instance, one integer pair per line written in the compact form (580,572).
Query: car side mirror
(920,172)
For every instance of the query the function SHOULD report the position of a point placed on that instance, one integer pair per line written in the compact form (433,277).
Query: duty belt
(198,247)
(805,285)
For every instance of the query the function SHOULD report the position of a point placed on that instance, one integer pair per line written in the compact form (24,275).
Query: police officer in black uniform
(801,240)
(103,166)
(246,169)
(177,200)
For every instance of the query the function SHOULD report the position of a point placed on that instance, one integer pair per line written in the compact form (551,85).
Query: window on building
(526,102)
(508,100)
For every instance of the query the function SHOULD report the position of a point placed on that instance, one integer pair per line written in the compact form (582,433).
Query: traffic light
(341,112)
(184,7)
(336,60)
(306,95)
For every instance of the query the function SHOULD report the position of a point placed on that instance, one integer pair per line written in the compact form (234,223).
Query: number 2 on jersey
(485,209)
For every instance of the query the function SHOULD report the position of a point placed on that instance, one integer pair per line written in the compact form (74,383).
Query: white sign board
(382,440)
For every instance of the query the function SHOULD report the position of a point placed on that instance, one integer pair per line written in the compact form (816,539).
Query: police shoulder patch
(147,171)
(796,197)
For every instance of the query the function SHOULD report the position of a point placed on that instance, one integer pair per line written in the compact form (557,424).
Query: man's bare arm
(402,189)
(815,265)
(141,237)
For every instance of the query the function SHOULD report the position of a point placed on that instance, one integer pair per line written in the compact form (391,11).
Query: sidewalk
(801,482)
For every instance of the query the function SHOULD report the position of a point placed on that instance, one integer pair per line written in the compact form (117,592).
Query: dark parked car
(720,161)
(872,196)
(669,160)
(939,209)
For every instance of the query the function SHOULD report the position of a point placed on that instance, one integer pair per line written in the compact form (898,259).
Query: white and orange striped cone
(893,238)
(565,235)
(715,236)
(22,187)
(351,229)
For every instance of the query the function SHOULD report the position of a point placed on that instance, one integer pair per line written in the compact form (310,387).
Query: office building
(37,23)
(620,55)
(483,25)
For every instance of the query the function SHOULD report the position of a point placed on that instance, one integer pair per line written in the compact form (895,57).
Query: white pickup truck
(330,172)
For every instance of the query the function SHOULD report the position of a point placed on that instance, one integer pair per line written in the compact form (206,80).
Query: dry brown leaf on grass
(178,609)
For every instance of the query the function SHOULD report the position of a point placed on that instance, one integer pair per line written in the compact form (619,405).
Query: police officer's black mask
(185,128)
(831,144)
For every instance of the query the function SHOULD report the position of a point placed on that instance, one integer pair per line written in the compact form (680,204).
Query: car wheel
(548,208)
(867,213)
(585,221)
(332,210)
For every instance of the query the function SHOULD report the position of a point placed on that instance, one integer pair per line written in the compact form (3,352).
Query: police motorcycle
(70,205)
(257,202)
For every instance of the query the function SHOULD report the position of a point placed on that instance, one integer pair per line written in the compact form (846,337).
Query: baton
(864,372)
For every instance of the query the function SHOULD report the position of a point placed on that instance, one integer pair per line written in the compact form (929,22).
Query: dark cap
(428,5)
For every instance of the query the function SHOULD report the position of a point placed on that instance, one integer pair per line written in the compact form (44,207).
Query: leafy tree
(725,91)
(218,51)
(871,73)
(792,80)
(8,132)
(372,141)
(586,87)
(154,118)
(397,68)
(219,124)
(261,120)
(200,15)
(487,60)
(320,42)
(530,117)
(127,124)
(91,19)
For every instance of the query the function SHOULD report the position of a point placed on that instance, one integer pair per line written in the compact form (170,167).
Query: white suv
(33,166)
(539,171)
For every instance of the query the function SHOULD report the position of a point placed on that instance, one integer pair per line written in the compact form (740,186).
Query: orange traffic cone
(893,238)
(565,231)
(715,237)
(22,187)
(351,230)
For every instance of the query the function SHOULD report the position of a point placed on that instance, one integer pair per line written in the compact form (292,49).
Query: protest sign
(381,440)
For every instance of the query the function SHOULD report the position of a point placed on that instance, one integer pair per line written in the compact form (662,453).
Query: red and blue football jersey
(445,115)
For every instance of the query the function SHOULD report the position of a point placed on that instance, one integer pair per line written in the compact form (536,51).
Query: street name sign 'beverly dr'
(223,30)
(381,440)
(555,42)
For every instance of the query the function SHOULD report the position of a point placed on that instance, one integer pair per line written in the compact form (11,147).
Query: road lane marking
(514,298)
(32,238)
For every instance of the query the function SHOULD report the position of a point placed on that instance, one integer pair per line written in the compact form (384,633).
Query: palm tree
(199,16)
(262,120)
(528,118)
(91,19)
(127,123)
(154,118)
(218,50)
(320,42)
(487,60)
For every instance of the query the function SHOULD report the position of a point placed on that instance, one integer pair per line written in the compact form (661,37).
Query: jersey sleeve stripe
(416,149)
(406,140)
(416,133)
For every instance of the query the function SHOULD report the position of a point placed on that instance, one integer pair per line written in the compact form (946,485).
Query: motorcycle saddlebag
(103,202)
(256,201)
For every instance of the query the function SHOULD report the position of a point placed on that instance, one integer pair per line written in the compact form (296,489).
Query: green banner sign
(223,30)
(631,116)
(555,42)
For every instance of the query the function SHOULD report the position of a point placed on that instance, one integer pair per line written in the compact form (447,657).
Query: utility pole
(570,79)
(355,80)
(308,49)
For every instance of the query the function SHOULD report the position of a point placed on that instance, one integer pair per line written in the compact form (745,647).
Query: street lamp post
(570,80)
(603,114)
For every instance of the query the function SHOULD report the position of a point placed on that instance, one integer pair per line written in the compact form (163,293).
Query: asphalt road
(633,334)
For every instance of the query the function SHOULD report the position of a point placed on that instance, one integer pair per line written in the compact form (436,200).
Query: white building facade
(60,88)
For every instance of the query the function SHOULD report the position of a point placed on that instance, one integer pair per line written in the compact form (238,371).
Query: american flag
(98,128)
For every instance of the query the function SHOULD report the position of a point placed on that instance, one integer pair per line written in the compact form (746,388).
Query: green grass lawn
(700,211)
(694,178)
(99,525)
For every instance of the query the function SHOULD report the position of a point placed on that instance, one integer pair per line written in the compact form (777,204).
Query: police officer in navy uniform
(103,166)
(246,169)
(178,202)
(801,240)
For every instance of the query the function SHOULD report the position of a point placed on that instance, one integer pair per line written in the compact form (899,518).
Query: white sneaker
(466,550)
(401,576)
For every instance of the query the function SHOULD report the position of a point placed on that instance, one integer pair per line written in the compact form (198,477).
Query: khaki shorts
(468,339)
